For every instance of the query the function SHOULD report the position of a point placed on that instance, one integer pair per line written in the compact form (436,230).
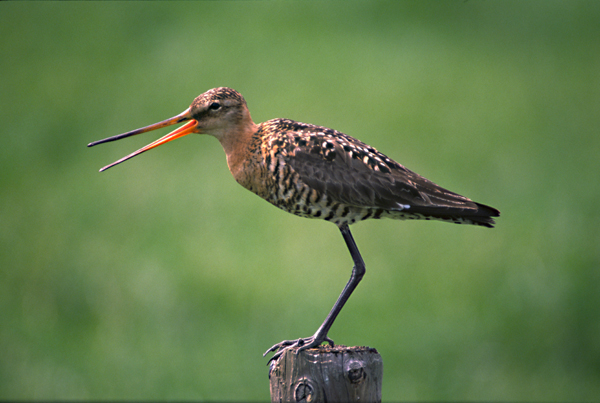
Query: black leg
(358,271)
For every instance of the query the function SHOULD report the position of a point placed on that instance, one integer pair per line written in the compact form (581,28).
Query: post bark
(327,374)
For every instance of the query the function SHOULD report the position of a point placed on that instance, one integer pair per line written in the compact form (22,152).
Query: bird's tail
(483,215)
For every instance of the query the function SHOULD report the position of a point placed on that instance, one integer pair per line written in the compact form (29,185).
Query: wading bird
(315,172)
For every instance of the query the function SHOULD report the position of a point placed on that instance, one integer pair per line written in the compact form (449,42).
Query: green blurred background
(163,279)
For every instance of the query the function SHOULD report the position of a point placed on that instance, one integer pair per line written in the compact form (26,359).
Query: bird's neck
(237,146)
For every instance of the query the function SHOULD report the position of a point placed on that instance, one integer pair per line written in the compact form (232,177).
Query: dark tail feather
(480,216)
(483,215)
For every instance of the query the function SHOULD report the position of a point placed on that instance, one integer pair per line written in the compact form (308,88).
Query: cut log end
(333,374)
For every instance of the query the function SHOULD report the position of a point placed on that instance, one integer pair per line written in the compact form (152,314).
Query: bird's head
(220,112)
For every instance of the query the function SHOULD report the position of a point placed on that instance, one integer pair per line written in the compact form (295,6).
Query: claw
(299,344)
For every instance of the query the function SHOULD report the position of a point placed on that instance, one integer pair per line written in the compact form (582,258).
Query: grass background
(163,279)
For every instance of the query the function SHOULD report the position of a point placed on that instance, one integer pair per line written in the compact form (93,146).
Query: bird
(314,172)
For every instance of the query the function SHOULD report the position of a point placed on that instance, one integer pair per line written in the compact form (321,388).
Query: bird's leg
(320,336)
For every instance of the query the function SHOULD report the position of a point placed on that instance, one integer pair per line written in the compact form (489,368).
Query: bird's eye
(214,106)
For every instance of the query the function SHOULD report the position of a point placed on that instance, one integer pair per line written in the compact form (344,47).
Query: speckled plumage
(315,172)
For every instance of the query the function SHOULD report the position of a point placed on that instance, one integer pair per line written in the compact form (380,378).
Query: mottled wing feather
(353,183)
(353,173)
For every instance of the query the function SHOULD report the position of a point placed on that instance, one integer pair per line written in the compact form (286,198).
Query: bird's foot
(300,344)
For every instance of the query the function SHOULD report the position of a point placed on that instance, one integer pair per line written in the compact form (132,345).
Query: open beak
(189,127)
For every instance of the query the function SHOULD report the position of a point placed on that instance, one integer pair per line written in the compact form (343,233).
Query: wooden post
(327,374)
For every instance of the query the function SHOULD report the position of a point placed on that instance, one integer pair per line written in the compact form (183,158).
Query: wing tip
(483,215)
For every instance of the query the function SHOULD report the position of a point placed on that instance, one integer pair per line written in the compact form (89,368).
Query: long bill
(189,127)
